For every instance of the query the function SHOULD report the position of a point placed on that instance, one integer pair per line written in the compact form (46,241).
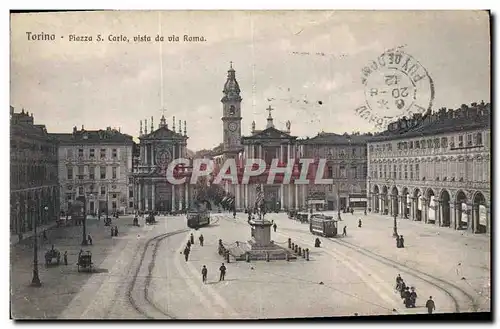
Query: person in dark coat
(398,281)
(192,238)
(344,231)
(189,244)
(398,242)
(186,253)
(66,258)
(430,305)
(204,273)
(401,241)
(403,288)
(234,214)
(222,270)
(201,240)
(89,239)
(406,297)
(275,227)
(116,230)
(413,297)
(359,222)
(317,243)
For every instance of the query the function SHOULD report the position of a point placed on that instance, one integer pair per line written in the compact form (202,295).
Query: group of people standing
(409,295)
(204,270)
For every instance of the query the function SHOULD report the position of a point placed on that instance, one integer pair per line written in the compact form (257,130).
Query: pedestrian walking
(413,297)
(430,305)
(65,258)
(116,230)
(204,273)
(222,270)
(401,241)
(275,227)
(45,235)
(89,239)
(186,253)
(359,222)
(234,214)
(192,238)
(189,244)
(201,240)
(344,231)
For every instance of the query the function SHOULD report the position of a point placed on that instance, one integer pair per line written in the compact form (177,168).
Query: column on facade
(437,213)
(425,210)
(153,206)
(453,217)
(152,155)
(173,198)
(296,196)
(186,194)
(139,196)
(470,217)
(237,201)
(289,191)
(181,193)
(304,196)
(282,196)
(412,208)
(146,195)
(246,196)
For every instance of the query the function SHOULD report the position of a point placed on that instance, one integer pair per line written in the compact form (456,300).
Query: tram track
(149,307)
(443,285)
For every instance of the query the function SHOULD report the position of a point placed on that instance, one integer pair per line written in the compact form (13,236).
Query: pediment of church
(272,133)
(163,133)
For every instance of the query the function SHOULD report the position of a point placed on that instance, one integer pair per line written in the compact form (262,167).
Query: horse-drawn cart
(85,261)
(52,257)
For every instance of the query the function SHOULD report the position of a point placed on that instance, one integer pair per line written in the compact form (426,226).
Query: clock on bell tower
(231,114)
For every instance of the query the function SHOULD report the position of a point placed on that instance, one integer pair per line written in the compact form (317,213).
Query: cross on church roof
(269,109)
(231,64)
(163,111)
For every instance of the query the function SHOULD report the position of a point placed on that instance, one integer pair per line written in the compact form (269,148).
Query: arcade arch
(479,213)
(461,211)
(445,208)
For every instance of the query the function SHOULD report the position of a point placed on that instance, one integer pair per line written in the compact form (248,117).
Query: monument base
(257,251)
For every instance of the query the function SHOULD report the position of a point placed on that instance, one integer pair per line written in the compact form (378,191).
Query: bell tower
(231,114)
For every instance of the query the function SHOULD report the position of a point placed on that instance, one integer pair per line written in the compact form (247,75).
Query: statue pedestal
(261,246)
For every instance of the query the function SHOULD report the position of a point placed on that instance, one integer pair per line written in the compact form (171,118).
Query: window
(365,171)
(385,171)
(131,180)
(452,142)
(343,173)
(131,204)
(81,173)
(354,172)
(69,196)
(103,190)
(469,140)
(380,171)
(411,172)
(103,172)
(366,151)
(389,146)
(405,145)
(330,188)
(429,143)
(436,143)
(114,153)
(103,153)
(114,173)
(113,195)
(460,140)
(444,142)
(422,143)
(70,172)
(80,153)
(371,148)
(411,144)
(330,172)
(92,153)
(69,153)
(80,190)
(406,171)
(487,140)
(417,171)
(130,192)
(113,204)
(417,144)
(394,172)
(353,151)
(232,110)
(91,173)
(479,139)
(400,171)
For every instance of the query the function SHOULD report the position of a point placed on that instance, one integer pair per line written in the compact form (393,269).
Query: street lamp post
(84,231)
(395,233)
(35,282)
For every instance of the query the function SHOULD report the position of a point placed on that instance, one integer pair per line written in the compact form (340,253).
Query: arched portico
(445,208)
(431,206)
(405,203)
(384,201)
(376,199)
(461,211)
(417,204)
(479,213)
(394,201)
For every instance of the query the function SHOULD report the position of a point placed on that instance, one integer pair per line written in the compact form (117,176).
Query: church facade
(157,149)
(267,144)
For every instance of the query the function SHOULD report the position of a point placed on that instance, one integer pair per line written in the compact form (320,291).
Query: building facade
(34,191)
(346,164)
(435,168)
(97,165)
(157,149)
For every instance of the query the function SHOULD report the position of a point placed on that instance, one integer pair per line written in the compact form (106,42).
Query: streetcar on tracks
(198,216)
(323,225)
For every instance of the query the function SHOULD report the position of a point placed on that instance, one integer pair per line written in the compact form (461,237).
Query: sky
(291,60)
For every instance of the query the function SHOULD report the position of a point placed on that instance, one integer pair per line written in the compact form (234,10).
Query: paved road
(146,275)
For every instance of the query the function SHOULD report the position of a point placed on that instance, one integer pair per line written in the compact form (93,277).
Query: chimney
(152,125)
(11,110)
(74,130)
(185,131)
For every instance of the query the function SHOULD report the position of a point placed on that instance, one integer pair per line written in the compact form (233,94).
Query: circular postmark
(397,85)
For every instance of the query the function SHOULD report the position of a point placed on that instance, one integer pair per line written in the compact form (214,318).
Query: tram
(323,225)
(199,217)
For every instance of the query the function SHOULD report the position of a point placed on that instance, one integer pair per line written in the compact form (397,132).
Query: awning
(316,201)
